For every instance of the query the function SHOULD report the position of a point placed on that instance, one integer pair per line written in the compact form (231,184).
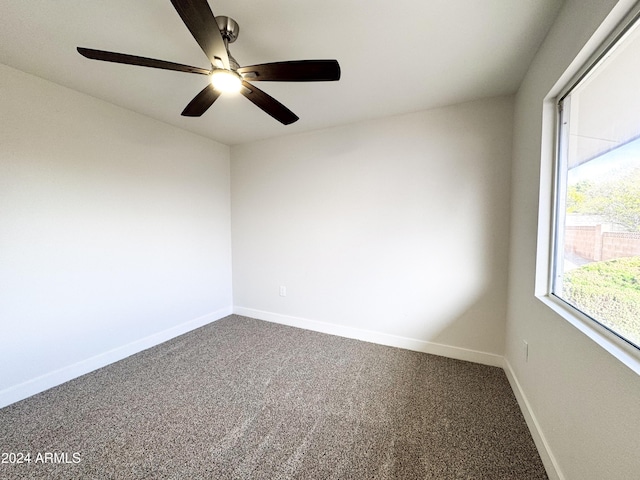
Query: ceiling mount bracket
(229,28)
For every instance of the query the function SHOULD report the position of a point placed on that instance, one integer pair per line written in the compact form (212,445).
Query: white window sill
(623,351)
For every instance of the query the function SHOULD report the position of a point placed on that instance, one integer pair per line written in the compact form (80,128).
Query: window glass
(597,244)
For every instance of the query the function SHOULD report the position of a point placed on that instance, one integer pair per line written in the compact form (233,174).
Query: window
(596,260)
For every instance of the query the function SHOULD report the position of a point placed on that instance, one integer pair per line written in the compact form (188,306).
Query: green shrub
(609,292)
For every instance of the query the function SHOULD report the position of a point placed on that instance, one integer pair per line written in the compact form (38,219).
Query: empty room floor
(246,399)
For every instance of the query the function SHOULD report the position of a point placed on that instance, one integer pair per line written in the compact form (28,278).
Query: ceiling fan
(214,34)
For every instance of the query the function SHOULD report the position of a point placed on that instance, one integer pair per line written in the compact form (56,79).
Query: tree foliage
(616,199)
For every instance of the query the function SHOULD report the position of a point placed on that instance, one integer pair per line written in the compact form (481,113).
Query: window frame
(548,255)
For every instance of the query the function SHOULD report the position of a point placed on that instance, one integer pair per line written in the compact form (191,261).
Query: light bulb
(226,81)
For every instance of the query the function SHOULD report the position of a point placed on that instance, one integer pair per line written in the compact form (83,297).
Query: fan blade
(268,104)
(201,102)
(294,71)
(140,61)
(199,19)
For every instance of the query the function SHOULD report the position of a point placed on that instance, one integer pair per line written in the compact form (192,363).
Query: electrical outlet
(283,291)
(525,350)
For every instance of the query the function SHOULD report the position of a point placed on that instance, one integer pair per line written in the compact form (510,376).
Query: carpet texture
(246,399)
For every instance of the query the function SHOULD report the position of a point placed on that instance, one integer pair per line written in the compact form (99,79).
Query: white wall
(585,402)
(114,233)
(396,226)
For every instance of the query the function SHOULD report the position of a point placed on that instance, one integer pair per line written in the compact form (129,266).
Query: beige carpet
(246,399)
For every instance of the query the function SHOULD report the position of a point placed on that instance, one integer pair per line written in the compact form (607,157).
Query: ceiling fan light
(226,81)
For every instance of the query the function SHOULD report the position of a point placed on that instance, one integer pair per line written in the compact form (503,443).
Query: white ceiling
(396,56)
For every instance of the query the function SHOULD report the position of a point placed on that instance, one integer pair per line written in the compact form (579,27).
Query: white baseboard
(375,337)
(44,382)
(548,460)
